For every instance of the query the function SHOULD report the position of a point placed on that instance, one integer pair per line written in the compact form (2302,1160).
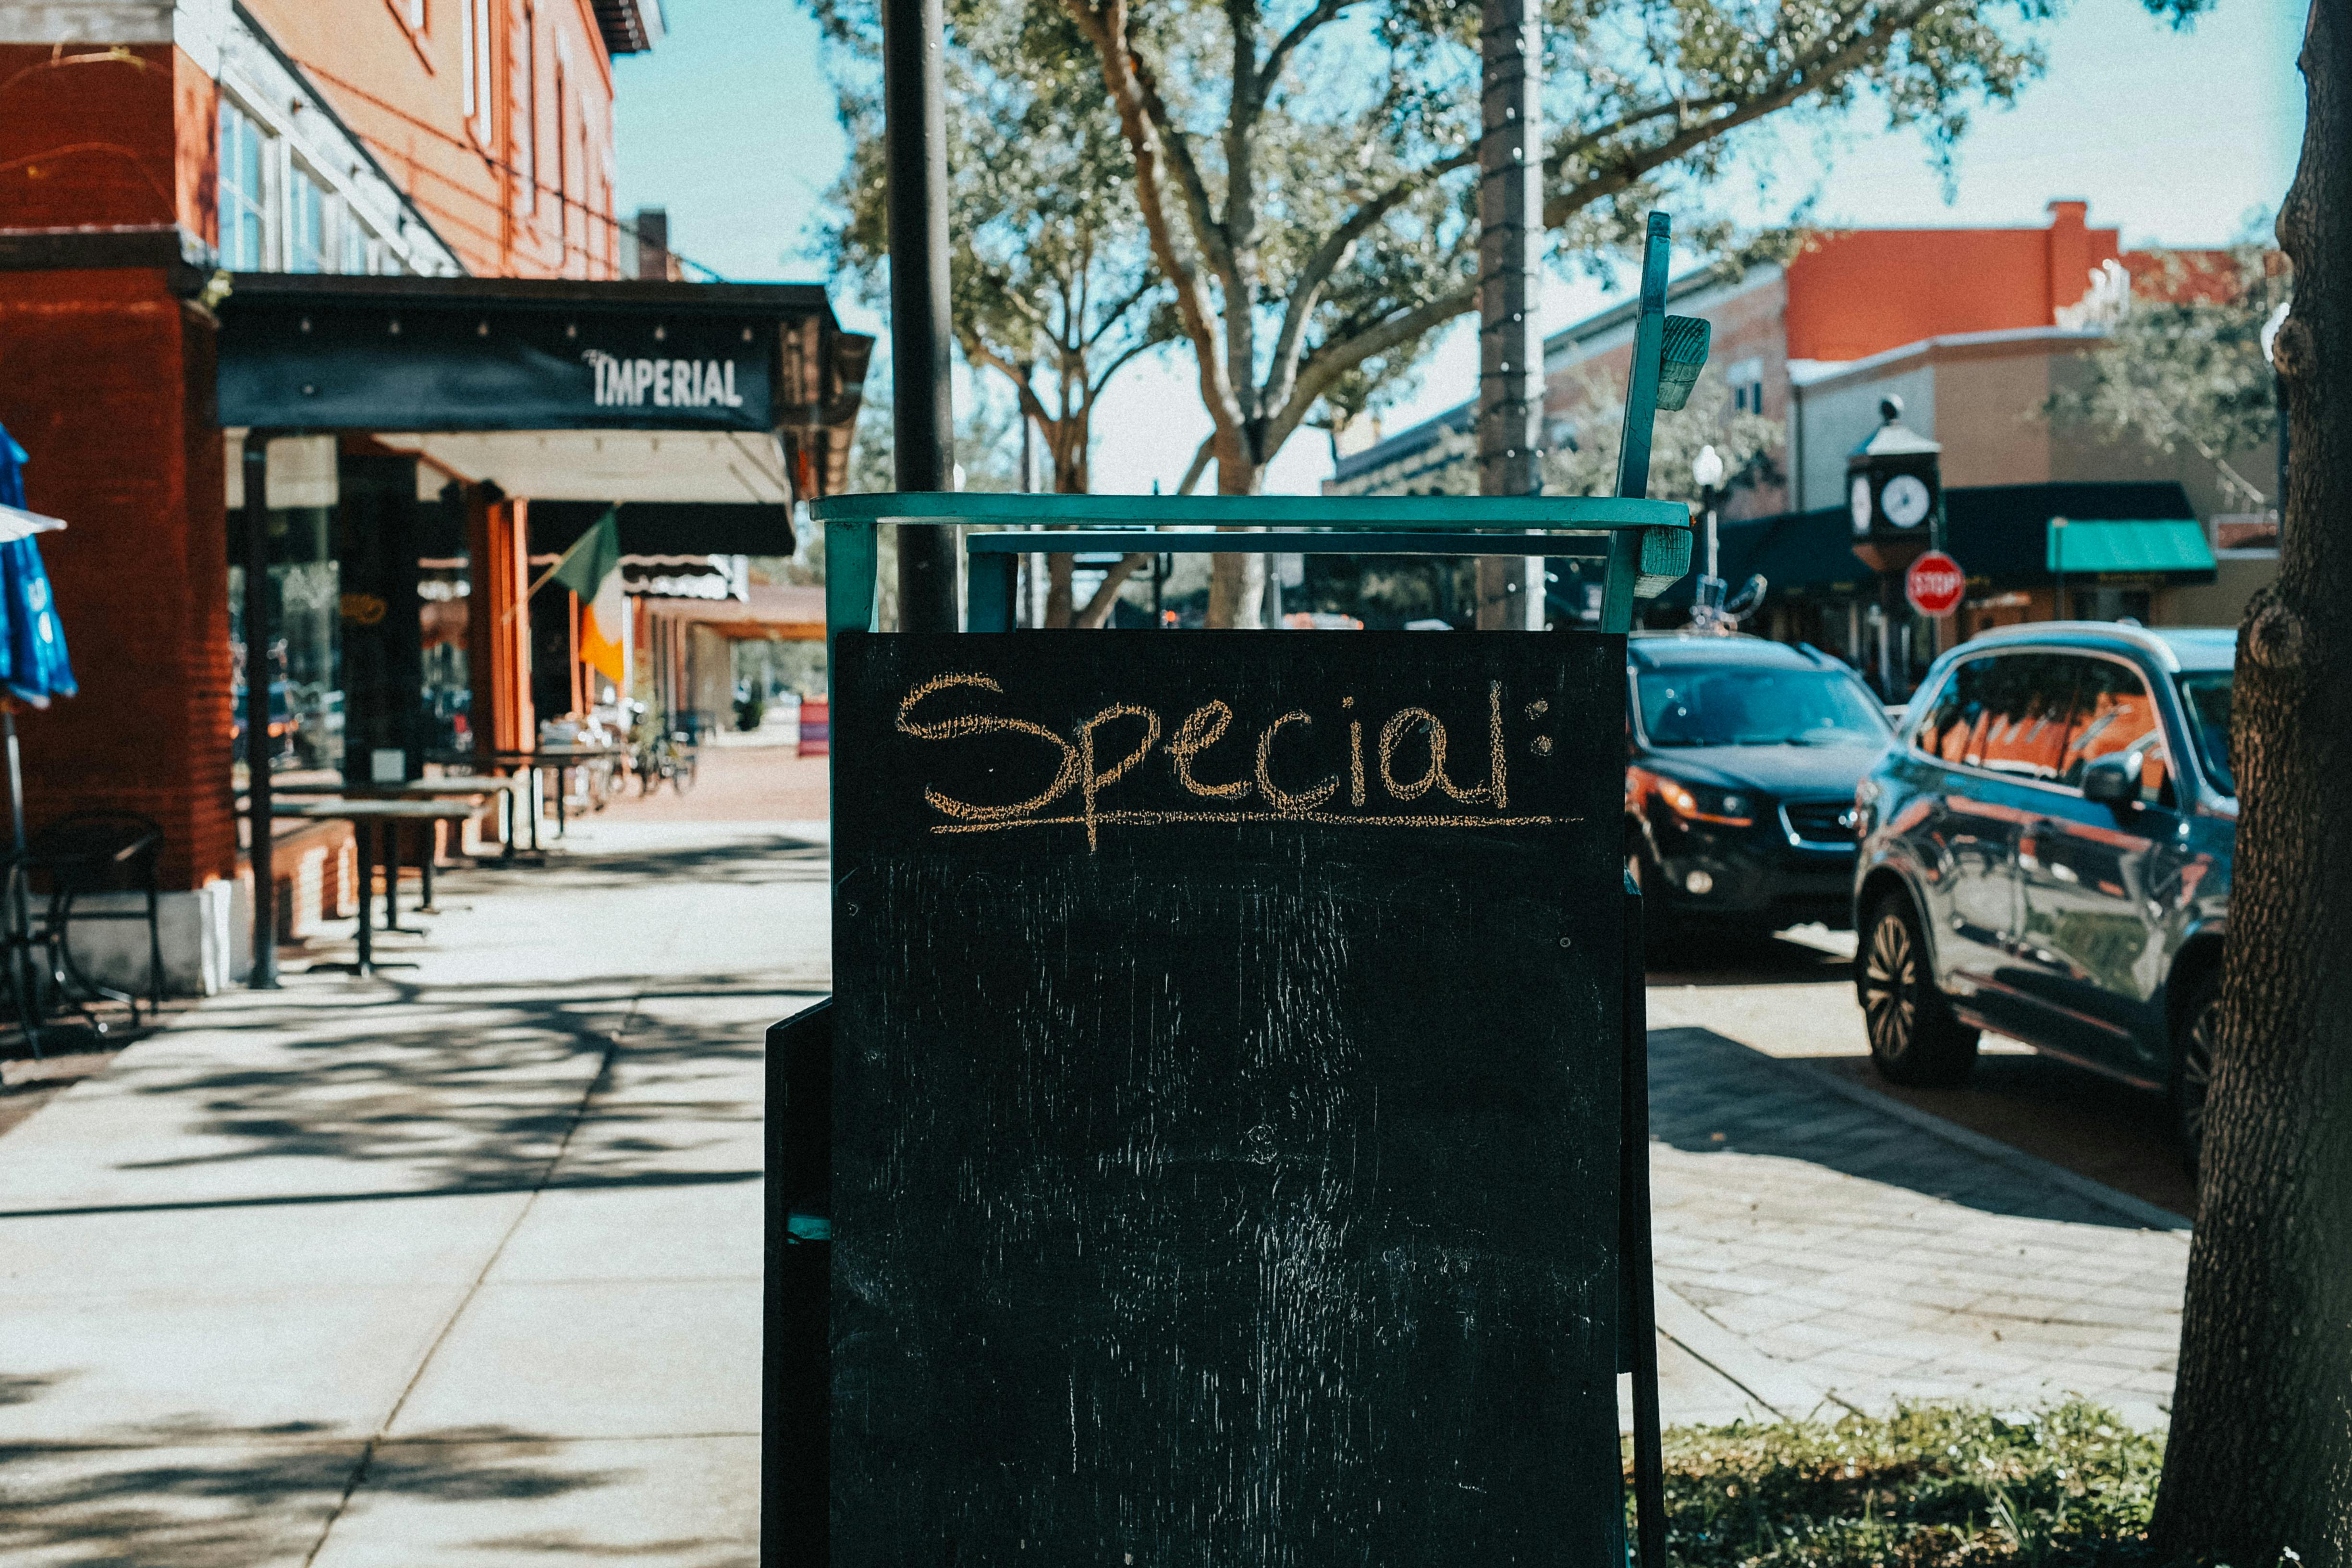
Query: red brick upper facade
(495,116)
(1862,291)
(323,136)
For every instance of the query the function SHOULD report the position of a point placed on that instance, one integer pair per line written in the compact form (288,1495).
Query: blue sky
(2175,138)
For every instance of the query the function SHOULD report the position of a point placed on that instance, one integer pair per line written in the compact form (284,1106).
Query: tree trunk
(1237,583)
(2260,1459)
(1071,477)
(1057,592)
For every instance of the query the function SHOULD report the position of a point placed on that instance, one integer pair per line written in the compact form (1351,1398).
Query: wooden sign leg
(796,1372)
(1617,593)
(1633,1252)
(989,582)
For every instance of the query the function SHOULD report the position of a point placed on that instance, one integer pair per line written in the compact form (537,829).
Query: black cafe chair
(91,853)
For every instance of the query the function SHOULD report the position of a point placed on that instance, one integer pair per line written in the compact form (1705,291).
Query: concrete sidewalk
(462,1265)
(467,1272)
(1821,1248)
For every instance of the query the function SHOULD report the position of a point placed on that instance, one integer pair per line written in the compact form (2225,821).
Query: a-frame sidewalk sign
(1227,1138)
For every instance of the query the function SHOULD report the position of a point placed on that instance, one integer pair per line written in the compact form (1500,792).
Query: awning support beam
(258,639)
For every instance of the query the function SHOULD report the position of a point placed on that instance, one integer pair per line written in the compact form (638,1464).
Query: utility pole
(915,106)
(1510,249)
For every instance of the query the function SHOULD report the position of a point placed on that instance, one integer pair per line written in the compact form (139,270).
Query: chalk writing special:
(1403,760)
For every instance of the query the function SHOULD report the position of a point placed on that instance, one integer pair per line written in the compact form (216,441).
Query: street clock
(1906,499)
(1893,492)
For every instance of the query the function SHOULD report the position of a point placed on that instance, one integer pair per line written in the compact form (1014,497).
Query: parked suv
(2045,853)
(1740,786)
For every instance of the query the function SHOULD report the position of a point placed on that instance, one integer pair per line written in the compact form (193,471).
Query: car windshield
(1729,707)
(2207,698)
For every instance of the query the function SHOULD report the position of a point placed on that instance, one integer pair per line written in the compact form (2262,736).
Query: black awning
(2002,532)
(667,528)
(1998,533)
(463,354)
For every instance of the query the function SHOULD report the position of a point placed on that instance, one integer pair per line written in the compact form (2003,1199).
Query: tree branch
(1329,362)
(1278,58)
(1118,313)
(1141,346)
(1308,290)
(1803,78)
(1099,603)
(1207,232)
(1240,230)
(1199,466)
(1138,107)
(1022,381)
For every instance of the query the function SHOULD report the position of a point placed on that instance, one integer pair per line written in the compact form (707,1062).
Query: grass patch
(1933,1486)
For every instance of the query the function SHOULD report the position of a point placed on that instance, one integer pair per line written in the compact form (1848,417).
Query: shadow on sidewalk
(1711,1095)
(196,1496)
(476,1088)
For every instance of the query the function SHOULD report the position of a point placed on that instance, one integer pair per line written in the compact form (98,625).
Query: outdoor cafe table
(365,816)
(462,788)
(562,758)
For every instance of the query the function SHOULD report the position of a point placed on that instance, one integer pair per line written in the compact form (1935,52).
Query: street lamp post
(1707,612)
(2058,549)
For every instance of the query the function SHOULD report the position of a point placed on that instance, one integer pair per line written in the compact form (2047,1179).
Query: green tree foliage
(1585,462)
(2183,366)
(1053,287)
(1749,444)
(1306,169)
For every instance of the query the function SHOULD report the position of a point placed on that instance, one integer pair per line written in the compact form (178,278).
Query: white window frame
(264,202)
(474,65)
(299,171)
(523,123)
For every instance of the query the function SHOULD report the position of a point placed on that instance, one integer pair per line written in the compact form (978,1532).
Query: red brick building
(153,155)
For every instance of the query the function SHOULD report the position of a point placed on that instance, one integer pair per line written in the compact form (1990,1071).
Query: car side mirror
(2111,780)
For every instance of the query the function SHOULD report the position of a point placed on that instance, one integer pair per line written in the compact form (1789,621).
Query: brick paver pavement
(1820,1246)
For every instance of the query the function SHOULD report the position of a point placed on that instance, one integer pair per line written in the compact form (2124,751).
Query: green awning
(2110,546)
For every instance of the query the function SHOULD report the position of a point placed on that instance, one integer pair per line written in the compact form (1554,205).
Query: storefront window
(305,658)
(444,590)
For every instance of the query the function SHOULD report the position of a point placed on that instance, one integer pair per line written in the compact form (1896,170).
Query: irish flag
(592,569)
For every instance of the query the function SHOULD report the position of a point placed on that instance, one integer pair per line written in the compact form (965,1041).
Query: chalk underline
(1326,818)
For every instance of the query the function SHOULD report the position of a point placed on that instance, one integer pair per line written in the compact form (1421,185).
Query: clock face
(1859,498)
(1905,500)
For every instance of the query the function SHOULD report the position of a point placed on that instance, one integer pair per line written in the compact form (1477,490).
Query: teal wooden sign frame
(1647,543)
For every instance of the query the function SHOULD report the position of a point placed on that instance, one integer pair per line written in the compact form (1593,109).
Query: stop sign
(1934,585)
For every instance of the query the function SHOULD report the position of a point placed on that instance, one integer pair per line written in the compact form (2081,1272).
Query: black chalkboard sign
(1226,1100)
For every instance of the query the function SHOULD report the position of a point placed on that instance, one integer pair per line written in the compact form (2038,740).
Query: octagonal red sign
(1934,584)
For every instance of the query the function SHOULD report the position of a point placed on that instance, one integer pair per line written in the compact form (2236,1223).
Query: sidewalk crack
(376,1439)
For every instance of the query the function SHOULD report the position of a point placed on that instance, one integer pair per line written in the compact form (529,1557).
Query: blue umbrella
(32,665)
